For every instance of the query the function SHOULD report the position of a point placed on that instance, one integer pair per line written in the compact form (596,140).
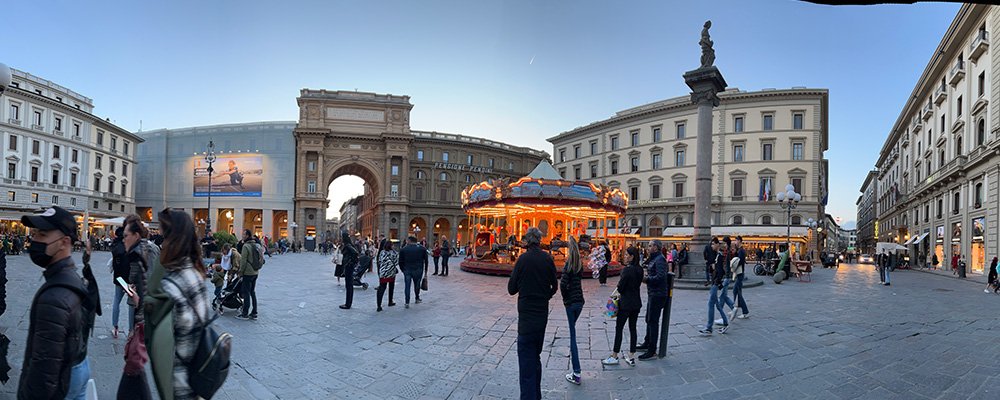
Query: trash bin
(961,269)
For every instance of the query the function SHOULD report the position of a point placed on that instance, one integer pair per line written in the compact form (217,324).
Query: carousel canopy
(544,191)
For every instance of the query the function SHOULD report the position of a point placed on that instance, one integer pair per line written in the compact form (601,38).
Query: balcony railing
(59,132)
(37,127)
(927,112)
(14,121)
(940,94)
(957,73)
(979,45)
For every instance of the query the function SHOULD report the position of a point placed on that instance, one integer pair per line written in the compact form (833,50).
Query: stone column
(705,84)
(267,222)
(238,222)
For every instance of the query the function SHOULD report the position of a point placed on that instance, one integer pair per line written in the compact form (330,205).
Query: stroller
(230,297)
(359,273)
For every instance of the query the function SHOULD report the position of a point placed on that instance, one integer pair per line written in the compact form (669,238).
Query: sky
(515,71)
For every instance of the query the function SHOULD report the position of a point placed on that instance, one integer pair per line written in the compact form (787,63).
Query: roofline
(216,126)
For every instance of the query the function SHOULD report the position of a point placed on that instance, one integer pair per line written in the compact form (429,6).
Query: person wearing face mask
(61,316)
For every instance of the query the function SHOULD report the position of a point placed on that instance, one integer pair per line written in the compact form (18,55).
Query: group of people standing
(388,260)
(168,309)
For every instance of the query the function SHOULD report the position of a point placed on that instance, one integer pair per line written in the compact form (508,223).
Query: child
(218,277)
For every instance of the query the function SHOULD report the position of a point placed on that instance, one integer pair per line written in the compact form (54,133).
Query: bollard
(665,321)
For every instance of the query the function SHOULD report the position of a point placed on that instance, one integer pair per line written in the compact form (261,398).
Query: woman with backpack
(184,283)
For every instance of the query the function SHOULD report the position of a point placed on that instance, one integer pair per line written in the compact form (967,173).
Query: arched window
(679,221)
(796,220)
(765,220)
(981,133)
(738,220)
(443,176)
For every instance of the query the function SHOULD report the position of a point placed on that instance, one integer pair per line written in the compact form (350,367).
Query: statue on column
(707,53)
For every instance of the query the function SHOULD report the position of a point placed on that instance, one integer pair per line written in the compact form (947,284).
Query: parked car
(866,259)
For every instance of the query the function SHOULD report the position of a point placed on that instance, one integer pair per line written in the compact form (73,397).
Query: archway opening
(346,199)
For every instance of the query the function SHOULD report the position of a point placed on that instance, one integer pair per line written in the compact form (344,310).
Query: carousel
(500,212)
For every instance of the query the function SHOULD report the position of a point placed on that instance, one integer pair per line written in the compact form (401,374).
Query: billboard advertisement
(235,176)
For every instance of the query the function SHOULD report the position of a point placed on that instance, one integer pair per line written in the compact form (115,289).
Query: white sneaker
(732,314)
(744,316)
(719,321)
(610,361)
(630,361)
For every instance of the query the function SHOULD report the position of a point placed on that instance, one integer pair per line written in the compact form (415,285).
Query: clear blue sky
(468,64)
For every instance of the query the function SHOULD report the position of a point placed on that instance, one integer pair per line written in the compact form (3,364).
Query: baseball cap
(52,219)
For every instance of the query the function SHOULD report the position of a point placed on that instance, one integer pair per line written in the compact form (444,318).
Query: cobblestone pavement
(840,336)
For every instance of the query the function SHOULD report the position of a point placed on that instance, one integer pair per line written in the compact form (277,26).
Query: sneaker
(723,329)
(253,317)
(743,316)
(419,301)
(647,355)
(719,322)
(573,378)
(630,361)
(407,305)
(242,317)
(610,361)
(705,331)
(114,333)
(732,314)
(642,346)
(391,304)
(345,307)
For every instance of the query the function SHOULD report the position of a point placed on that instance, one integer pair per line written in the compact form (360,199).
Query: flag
(767,191)
(760,197)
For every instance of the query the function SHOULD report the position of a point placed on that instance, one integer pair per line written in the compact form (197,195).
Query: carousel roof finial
(544,170)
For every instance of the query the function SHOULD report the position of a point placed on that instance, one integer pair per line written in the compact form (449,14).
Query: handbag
(612,306)
(423,283)
(135,351)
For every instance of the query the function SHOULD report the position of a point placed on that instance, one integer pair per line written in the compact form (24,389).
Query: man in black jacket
(534,281)
(55,358)
(656,289)
(413,260)
(350,253)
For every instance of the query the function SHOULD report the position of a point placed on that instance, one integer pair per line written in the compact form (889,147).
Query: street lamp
(788,200)
(210,158)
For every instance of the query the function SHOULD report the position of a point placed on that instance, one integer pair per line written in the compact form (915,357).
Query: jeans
(630,317)
(529,364)
(249,294)
(724,299)
(381,291)
(572,314)
(738,294)
(708,272)
(78,377)
(887,269)
(116,308)
(881,274)
(444,265)
(412,278)
(715,304)
(436,260)
(653,311)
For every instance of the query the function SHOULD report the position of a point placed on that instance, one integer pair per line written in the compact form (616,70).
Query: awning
(920,238)
(907,242)
(740,230)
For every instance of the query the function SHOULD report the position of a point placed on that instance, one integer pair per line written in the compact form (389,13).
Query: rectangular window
(114,143)
(738,124)
(72,201)
(95,204)
(72,179)
(982,83)
(657,135)
(768,122)
(76,130)
(768,152)
(737,189)
(124,189)
(100,138)
(443,194)
(34,174)
(468,159)
(737,152)
(55,177)
(34,197)
(634,193)
(15,112)
(562,173)
(111,186)
(111,164)
(418,192)
(11,170)
(55,152)
(942,124)
(614,167)
(38,118)
(797,184)
(125,147)
(420,155)
(614,142)
(959,104)
(36,147)
(593,148)
(655,189)
(679,158)
(12,142)
(489,163)
(312,166)
(593,171)
(576,173)
(75,155)
(58,123)
(657,160)
(797,149)
(394,190)
(97,185)
(395,170)
(635,164)
(562,155)
(99,159)
(635,138)
(678,189)
(11,196)
(767,187)
(681,131)
(576,152)
(311,187)
(444,156)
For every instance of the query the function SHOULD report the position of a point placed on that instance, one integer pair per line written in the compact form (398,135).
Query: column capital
(705,84)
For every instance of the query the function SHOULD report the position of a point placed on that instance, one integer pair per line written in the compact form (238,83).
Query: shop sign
(463,167)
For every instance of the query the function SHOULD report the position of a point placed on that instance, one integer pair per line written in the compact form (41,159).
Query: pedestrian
(436,254)
(445,254)
(890,263)
(709,253)
(534,282)
(387,260)
(714,260)
(954,264)
(350,253)
(572,294)
(133,383)
(183,282)
(252,260)
(119,269)
(727,253)
(413,260)
(656,293)
(738,273)
(61,316)
(991,280)
(338,262)
(629,304)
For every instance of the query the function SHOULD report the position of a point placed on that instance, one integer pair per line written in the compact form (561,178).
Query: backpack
(209,366)
(257,262)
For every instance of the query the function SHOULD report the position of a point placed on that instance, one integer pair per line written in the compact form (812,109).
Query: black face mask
(38,255)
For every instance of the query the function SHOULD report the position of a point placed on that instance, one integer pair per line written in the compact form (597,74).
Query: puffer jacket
(139,265)
(570,284)
(119,260)
(56,341)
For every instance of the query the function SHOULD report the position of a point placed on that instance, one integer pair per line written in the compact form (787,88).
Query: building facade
(762,142)
(251,182)
(938,171)
(413,179)
(58,153)
(867,209)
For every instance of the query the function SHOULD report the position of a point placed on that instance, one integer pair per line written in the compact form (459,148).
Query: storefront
(939,248)
(977,255)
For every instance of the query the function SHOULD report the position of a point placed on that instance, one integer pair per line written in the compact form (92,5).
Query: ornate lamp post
(788,200)
(210,158)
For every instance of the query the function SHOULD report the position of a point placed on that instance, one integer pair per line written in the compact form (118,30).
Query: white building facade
(49,148)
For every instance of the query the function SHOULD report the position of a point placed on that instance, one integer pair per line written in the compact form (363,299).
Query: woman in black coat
(350,254)
(629,304)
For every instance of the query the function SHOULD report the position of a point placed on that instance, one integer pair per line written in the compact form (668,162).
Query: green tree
(221,238)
